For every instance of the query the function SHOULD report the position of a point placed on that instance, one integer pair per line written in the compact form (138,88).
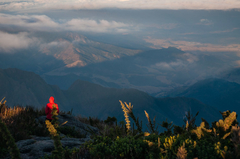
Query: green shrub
(127,147)
(219,141)
(9,140)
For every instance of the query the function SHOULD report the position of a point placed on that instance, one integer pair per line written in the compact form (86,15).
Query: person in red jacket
(48,109)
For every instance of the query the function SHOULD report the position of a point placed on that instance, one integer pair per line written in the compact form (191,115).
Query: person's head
(51,100)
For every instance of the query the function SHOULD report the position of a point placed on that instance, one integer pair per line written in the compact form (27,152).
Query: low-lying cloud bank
(10,42)
(44,23)
(192,46)
(17,31)
(40,5)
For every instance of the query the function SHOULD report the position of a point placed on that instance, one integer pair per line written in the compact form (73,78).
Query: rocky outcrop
(40,146)
(72,122)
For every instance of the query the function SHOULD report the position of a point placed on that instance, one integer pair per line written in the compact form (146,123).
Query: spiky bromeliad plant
(127,110)
(58,152)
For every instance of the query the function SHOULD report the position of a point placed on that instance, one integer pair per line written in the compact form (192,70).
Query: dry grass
(10,112)
(21,121)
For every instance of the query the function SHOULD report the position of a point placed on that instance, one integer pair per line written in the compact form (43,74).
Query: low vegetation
(124,140)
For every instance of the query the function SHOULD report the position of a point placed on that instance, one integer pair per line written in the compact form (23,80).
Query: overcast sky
(33,5)
(190,25)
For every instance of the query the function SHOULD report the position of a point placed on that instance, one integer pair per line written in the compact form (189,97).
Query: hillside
(27,88)
(88,99)
(218,93)
(232,75)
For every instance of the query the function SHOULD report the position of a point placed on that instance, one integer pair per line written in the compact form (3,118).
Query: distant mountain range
(218,93)
(88,99)
(62,58)
(61,51)
(155,71)
(77,50)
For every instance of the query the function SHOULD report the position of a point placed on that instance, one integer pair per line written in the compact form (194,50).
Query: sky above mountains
(42,5)
(199,25)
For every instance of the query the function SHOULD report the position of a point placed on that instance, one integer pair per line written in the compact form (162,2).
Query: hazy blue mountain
(178,106)
(27,88)
(155,71)
(77,50)
(64,57)
(232,75)
(62,50)
(30,60)
(219,93)
(136,71)
(88,99)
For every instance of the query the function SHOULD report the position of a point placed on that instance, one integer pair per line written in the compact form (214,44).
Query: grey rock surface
(39,146)
(72,122)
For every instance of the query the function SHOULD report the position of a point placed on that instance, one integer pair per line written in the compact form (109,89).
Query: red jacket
(48,109)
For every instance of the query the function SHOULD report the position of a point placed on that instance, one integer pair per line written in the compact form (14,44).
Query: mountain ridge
(78,51)
(154,71)
(89,99)
(216,92)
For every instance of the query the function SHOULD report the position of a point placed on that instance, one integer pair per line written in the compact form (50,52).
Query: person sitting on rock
(49,107)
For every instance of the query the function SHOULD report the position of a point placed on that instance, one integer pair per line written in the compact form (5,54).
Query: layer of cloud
(40,5)
(225,31)
(205,22)
(31,23)
(44,23)
(192,46)
(190,58)
(169,65)
(10,42)
(183,61)
(167,26)
(94,26)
